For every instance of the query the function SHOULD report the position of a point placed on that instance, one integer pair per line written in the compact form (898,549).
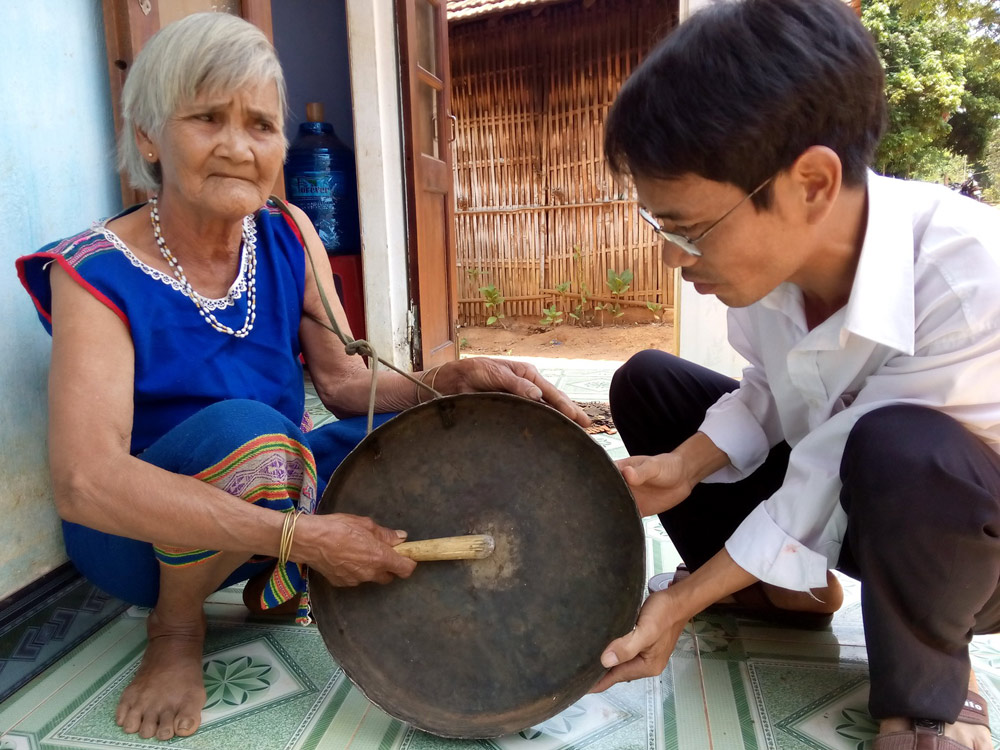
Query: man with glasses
(863,435)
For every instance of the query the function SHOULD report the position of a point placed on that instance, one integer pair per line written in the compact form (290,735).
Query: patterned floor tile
(800,704)
(314,406)
(65,684)
(684,704)
(661,555)
(622,717)
(232,595)
(792,693)
(40,625)
(274,685)
(612,444)
(587,387)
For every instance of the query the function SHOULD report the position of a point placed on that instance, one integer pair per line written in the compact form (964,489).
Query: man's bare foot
(971,736)
(167,694)
(826,600)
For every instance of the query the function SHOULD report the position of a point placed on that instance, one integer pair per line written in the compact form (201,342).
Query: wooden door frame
(414,161)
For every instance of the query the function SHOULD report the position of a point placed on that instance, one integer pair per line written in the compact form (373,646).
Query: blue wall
(56,177)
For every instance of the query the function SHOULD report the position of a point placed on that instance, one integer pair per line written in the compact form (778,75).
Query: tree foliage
(991,166)
(942,63)
(982,15)
(973,125)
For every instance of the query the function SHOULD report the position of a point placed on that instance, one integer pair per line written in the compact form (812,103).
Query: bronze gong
(481,648)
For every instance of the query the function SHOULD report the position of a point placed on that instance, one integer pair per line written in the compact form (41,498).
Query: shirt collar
(880,307)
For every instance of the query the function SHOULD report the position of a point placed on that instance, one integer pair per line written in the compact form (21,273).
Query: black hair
(737,92)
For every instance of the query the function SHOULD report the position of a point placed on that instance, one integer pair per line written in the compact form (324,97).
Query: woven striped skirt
(246,449)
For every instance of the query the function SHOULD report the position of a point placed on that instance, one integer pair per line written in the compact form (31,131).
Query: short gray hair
(201,52)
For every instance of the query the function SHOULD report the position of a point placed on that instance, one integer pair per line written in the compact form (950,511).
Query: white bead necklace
(249,247)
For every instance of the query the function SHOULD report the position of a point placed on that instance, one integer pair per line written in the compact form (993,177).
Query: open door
(426,81)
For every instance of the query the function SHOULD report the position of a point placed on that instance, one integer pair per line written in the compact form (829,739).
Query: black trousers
(922,497)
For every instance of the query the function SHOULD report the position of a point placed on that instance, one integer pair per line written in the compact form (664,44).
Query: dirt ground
(528,339)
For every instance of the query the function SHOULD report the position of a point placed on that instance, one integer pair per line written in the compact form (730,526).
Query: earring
(150,154)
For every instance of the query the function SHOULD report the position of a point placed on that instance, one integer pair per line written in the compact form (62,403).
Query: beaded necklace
(249,247)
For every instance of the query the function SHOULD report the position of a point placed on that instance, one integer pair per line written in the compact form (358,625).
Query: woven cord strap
(351,345)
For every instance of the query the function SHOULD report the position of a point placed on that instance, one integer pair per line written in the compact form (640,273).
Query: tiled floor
(731,684)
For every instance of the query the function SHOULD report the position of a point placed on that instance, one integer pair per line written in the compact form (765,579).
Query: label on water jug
(320,195)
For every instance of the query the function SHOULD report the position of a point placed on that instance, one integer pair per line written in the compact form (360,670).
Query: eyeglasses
(685,243)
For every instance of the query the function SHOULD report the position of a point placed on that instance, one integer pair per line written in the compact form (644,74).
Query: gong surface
(480,648)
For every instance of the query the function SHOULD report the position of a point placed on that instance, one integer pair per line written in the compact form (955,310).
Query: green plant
(473,274)
(551,316)
(599,308)
(463,343)
(656,308)
(580,308)
(618,283)
(494,301)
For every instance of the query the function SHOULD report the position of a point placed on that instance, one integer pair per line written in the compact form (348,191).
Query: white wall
(381,181)
(56,176)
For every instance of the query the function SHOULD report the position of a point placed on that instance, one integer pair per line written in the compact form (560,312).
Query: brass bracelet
(423,376)
(287,534)
(417,389)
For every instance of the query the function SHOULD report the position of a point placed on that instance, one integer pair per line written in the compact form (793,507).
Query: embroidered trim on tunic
(236,291)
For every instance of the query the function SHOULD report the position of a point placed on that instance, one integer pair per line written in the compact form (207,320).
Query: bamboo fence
(535,204)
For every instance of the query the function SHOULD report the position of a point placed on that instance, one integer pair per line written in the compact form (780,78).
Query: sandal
(753,603)
(928,734)
(251,597)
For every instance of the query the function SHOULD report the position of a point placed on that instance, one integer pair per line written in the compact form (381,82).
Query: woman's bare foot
(972,736)
(166,695)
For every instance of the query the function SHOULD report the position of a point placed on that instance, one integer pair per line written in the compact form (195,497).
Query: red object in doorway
(349,280)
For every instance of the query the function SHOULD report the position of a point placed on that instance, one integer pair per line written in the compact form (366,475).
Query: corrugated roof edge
(469,10)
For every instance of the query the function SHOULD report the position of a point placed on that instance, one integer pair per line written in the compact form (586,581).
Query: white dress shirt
(921,326)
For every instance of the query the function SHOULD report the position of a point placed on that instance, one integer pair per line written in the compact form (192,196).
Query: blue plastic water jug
(321,179)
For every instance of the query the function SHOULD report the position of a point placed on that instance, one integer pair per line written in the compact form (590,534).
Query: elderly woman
(177,429)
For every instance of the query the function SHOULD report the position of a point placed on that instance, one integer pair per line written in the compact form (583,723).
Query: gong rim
(571,555)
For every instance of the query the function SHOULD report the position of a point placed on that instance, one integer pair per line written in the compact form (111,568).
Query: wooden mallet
(470,547)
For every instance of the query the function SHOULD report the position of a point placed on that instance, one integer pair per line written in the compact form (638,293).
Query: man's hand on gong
(520,378)
(348,550)
(658,483)
(646,650)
